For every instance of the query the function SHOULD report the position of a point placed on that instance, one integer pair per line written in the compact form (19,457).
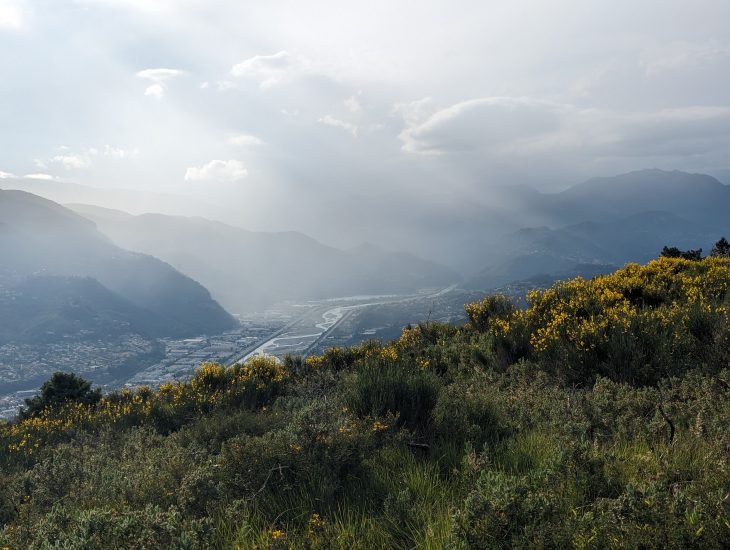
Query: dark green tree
(721,248)
(674,252)
(61,388)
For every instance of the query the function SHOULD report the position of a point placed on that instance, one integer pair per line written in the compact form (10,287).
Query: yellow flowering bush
(636,324)
(213,386)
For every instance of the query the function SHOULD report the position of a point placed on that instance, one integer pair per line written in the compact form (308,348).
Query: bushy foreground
(599,417)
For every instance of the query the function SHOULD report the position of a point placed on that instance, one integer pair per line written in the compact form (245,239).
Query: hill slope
(247,270)
(604,222)
(595,418)
(588,247)
(39,238)
(46,309)
(695,197)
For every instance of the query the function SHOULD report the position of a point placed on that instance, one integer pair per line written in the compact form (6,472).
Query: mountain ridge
(40,238)
(264,268)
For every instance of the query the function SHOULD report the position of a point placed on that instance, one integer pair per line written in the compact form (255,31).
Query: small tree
(61,388)
(721,248)
(671,252)
(674,252)
(694,255)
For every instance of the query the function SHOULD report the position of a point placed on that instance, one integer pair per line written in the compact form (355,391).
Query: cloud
(512,130)
(480,123)
(413,112)
(6,175)
(681,132)
(143,5)
(244,140)
(11,15)
(155,90)
(353,105)
(217,170)
(118,153)
(329,120)
(679,55)
(71,161)
(268,70)
(159,77)
(40,177)
(79,161)
(223,85)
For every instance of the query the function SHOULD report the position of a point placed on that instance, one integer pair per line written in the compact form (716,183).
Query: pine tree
(721,248)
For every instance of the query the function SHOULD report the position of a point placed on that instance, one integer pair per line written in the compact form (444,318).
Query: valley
(128,300)
(296,328)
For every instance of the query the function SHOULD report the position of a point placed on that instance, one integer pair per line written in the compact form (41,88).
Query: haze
(358,121)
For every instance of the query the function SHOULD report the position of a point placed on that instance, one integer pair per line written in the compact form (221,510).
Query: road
(305,332)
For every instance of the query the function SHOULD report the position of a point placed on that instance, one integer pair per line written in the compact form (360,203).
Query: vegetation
(63,387)
(721,248)
(674,252)
(597,417)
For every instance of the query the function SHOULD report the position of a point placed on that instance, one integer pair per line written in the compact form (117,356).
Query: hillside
(602,222)
(49,309)
(587,248)
(696,197)
(594,418)
(41,238)
(248,270)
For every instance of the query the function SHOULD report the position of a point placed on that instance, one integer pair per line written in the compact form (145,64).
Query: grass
(450,437)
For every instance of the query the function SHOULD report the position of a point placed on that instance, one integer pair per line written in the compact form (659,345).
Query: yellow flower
(314,361)
(277,534)
(378,427)
(316,521)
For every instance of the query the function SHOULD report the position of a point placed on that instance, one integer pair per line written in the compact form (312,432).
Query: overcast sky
(303,111)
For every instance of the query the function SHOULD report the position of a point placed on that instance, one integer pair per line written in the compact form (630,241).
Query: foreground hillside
(595,418)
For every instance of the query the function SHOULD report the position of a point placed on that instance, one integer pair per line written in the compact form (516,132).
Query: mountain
(697,198)
(605,221)
(248,270)
(588,248)
(47,309)
(514,231)
(469,235)
(39,238)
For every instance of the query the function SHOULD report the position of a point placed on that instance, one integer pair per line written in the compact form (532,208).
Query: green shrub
(62,388)
(107,527)
(378,390)
(464,412)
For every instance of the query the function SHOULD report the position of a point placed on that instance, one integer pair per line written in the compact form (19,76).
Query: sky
(343,118)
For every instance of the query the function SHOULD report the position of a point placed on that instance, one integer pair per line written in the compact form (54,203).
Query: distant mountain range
(604,223)
(518,234)
(60,276)
(248,270)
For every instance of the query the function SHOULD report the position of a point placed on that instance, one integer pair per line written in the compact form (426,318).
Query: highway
(305,332)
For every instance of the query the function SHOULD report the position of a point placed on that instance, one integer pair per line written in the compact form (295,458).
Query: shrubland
(596,417)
